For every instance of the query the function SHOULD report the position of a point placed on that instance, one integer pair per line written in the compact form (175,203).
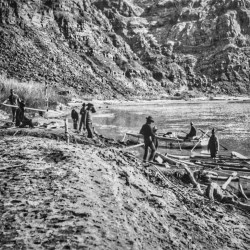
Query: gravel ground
(83,196)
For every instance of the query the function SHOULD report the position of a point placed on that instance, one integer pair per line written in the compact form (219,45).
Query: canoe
(172,142)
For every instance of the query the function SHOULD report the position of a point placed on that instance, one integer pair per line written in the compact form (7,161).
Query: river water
(230,120)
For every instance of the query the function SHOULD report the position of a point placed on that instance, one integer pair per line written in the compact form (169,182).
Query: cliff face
(123,47)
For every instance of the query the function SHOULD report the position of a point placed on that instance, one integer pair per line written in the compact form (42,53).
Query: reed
(33,93)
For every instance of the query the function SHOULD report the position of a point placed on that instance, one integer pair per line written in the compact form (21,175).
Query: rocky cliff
(114,48)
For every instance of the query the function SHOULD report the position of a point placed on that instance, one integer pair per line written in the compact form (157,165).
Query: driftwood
(134,146)
(191,177)
(242,191)
(14,106)
(174,161)
(224,186)
(214,191)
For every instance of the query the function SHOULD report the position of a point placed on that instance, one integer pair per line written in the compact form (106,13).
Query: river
(230,120)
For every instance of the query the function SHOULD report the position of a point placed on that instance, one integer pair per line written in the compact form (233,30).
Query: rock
(119,48)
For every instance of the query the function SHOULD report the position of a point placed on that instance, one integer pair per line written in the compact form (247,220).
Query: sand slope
(55,196)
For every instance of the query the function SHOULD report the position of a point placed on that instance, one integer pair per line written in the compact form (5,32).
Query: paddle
(210,136)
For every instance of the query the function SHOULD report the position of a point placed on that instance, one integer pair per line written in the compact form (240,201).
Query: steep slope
(91,198)
(128,47)
(69,43)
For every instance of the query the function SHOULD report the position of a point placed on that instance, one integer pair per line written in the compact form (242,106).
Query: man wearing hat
(82,113)
(88,119)
(213,144)
(149,138)
(75,118)
(192,132)
(13,100)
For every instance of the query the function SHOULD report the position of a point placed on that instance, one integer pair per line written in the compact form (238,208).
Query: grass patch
(32,93)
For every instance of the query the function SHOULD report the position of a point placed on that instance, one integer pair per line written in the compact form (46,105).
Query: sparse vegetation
(33,93)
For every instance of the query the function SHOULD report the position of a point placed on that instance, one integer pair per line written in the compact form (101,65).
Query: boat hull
(169,142)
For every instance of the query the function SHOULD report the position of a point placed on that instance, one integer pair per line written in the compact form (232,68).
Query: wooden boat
(172,142)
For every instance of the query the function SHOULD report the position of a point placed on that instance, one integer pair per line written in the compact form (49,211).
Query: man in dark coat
(88,119)
(149,138)
(21,120)
(82,113)
(75,118)
(213,144)
(13,100)
(192,132)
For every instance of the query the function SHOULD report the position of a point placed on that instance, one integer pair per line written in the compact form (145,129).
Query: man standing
(88,119)
(13,100)
(149,138)
(192,132)
(75,118)
(82,113)
(213,144)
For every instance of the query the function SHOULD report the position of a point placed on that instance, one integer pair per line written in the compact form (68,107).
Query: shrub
(32,93)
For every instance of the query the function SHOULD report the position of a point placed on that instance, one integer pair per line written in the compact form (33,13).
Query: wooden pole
(66,131)
(46,96)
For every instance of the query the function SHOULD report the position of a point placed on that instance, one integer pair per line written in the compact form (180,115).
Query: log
(224,186)
(191,177)
(134,146)
(13,106)
(242,191)
(214,191)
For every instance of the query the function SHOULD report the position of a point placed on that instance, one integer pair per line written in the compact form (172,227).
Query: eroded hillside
(128,47)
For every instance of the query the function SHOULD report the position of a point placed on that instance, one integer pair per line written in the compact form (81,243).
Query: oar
(199,141)
(210,136)
(184,132)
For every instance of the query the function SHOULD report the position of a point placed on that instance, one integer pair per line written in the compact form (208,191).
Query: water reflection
(231,120)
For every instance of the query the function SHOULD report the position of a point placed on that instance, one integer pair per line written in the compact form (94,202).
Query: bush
(32,93)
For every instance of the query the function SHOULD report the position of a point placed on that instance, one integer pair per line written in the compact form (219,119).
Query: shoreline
(139,101)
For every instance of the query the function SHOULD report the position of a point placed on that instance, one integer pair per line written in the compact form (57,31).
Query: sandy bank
(58,196)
